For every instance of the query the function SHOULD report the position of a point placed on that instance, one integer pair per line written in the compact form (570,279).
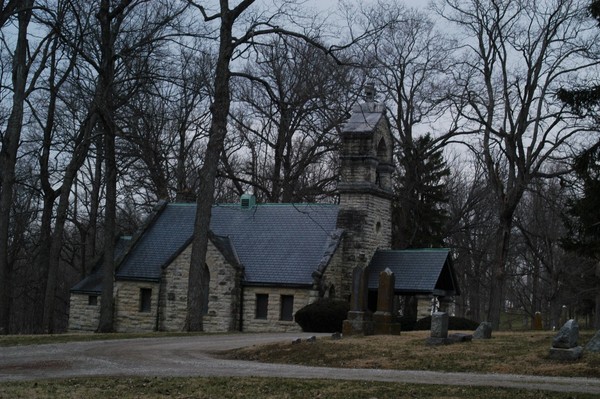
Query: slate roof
(417,271)
(92,284)
(279,244)
(364,118)
(166,236)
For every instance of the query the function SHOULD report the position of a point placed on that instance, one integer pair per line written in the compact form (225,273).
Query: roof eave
(85,292)
(141,279)
(276,284)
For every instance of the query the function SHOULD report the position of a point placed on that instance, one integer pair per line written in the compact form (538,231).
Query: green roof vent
(247,201)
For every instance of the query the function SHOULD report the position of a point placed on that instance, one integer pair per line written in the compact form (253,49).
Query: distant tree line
(108,106)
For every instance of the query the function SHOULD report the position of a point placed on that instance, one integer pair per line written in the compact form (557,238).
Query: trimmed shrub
(324,315)
(408,323)
(454,323)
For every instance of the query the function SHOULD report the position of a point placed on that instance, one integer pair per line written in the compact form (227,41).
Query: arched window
(205,289)
(331,293)
(382,150)
(382,157)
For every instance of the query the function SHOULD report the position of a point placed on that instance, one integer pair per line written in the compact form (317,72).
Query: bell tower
(365,186)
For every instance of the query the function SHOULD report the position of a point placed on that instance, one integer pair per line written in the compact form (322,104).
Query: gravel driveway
(189,356)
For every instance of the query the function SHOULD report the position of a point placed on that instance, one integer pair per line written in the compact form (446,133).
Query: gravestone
(484,331)
(439,329)
(460,337)
(439,325)
(383,319)
(360,320)
(359,296)
(537,321)
(594,344)
(564,344)
(567,336)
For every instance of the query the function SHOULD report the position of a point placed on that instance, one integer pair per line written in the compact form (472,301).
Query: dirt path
(188,356)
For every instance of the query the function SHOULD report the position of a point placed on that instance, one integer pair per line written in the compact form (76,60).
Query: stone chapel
(266,261)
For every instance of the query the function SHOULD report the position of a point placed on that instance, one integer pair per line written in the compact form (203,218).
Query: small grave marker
(564,344)
(484,331)
(439,329)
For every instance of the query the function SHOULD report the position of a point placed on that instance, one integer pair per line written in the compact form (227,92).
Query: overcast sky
(328,4)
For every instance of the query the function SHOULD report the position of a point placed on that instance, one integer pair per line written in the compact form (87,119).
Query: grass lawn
(17,340)
(260,388)
(506,352)
(522,353)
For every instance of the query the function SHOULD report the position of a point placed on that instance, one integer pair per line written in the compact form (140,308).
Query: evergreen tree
(584,224)
(585,100)
(418,210)
(583,215)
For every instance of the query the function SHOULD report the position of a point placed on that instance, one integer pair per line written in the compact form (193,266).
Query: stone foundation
(358,323)
(82,316)
(128,314)
(224,293)
(273,322)
(566,354)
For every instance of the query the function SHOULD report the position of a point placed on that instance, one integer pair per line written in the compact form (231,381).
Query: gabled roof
(276,243)
(417,271)
(92,284)
(364,118)
(163,238)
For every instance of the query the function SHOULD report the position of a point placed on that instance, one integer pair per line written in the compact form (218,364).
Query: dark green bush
(324,315)
(408,323)
(454,323)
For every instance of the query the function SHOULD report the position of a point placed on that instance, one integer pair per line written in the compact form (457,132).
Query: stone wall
(365,195)
(224,293)
(83,317)
(423,306)
(173,293)
(128,317)
(339,277)
(367,222)
(272,323)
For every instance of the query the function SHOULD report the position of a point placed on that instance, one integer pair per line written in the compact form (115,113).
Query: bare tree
(166,127)
(470,234)
(132,32)
(10,144)
(411,64)
(542,279)
(516,55)
(238,29)
(292,95)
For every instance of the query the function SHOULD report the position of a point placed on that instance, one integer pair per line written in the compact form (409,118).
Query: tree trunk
(43,256)
(8,157)
(52,243)
(106,112)
(81,150)
(92,236)
(597,307)
(219,110)
(499,272)
(536,302)
(107,302)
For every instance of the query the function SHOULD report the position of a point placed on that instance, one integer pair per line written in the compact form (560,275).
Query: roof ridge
(150,220)
(426,249)
(258,204)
